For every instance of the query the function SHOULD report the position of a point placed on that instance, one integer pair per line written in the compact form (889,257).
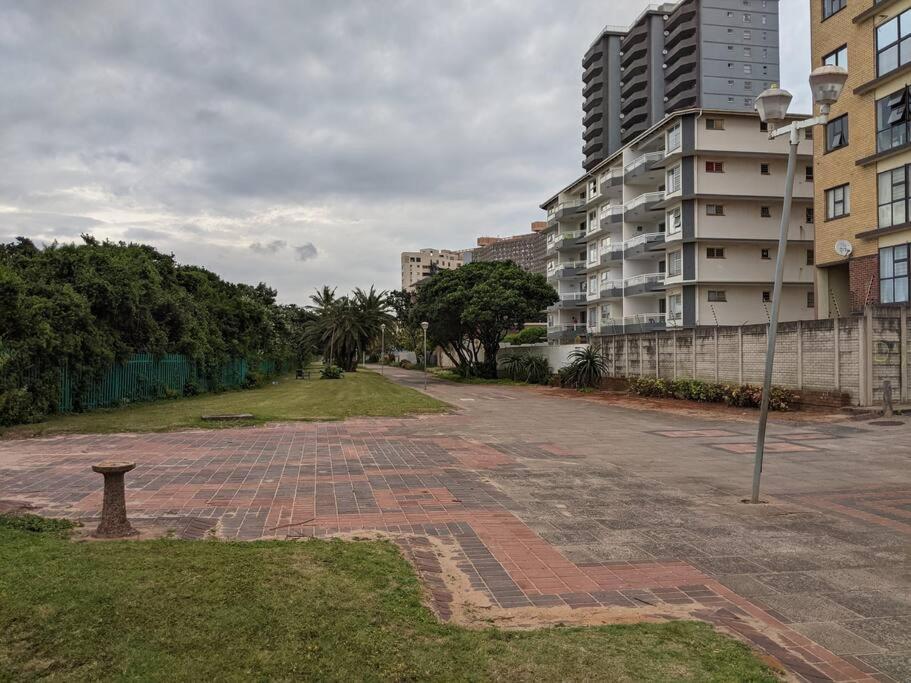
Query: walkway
(542,501)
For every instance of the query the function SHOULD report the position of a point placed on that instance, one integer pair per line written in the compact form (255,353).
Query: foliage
(345,327)
(525,368)
(36,524)
(406,365)
(92,305)
(471,309)
(528,335)
(586,368)
(407,334)
(741,396)
(331,372)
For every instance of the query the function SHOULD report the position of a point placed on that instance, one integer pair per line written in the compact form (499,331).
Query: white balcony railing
(572,235)
(643,239)
(644,279)
(644,199)
(571,327)
(606,285)
(572,297)
(609,210)
(567,204)
(644,319)
(643,162)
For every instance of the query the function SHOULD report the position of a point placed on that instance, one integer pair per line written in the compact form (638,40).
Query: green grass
(452,376)
(173,610)
(362,393)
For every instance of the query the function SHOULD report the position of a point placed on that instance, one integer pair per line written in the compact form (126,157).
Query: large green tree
(472,308)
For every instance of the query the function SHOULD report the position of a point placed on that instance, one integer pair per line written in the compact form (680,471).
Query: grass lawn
(318,610)
(362,393)
(452,376)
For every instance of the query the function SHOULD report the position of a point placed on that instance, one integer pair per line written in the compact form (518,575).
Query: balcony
(566,334)
(572,300)
(644,208)
(566,270)
(611,214)
(647,283)
(565,209)
(611,325)
(611,253)
(565,240)
(611,183)
(610,289)
(646,170)
(644,322)
(649,245)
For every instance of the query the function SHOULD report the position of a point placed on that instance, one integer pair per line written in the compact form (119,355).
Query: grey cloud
(268,247)
(145,234)
(305,252)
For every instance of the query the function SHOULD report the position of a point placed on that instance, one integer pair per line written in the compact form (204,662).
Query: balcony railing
(567,269)
(643,163)
(656,319)
(573,297)
(644,279)
(572,327)
(568,204)
(643,200)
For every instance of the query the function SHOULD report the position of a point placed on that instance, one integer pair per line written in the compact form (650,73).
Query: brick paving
(557,502)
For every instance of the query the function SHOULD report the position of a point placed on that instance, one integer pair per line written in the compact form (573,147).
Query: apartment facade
(712,54)
(417,265)
(863,160)
(679,228)
(526,251)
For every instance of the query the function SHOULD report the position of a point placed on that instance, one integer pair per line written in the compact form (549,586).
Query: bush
(406,365)
(529,335)
(585,370)
(537,370)
(331,372)
(740,396)
(512,367)
(36,525)
(253,380)
(191,388)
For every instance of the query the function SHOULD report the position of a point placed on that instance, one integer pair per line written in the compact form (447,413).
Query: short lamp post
(383,348)
(424,326)
(826,82)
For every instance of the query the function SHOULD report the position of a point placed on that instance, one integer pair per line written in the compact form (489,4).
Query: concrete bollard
(114,522)
(887,398)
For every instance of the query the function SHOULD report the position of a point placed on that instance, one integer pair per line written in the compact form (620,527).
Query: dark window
(892,120)
(764,254)
(765,212)
(807,133)
(837,133)
(764,169)
(766,297)
(811,218)
(892,197)
(714,252)
(830,7)
(714,209)
(717,295)
(811,257)
(893,43)
(764,126)
(837,57)
(838,201)
(714,124)
(809,174)
(893,274)
(811,299)
(714,167)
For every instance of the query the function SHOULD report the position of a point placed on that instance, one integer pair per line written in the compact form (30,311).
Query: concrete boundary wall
(849,356)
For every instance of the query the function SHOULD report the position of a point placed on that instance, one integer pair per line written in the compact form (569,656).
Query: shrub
(529,335)
(253,380)
(585,370)
(406,365)
(36,524)
(513,367)
(740,396)
(537,370)
(331,372)
(191,388)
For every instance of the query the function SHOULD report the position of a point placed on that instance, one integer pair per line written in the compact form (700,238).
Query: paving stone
(794,582)
(891,633)
(807,608)
(896,666)
(837,638)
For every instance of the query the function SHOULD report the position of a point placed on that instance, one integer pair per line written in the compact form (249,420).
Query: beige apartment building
(863,159)
(416,265)
(679,228)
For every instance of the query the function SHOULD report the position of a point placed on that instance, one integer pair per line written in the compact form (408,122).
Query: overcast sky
(301,142)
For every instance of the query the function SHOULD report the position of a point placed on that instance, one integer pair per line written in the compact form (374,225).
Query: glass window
(673,138)
(830,7)
(673,180)
(838,201)
(675,306)
(892,120)
(675,263)
(893,274)
(714,252)
(674,220)
(837,57)
(892,197)
(837,133)
(714,209)
(714,124)
(893,43)
(717,295)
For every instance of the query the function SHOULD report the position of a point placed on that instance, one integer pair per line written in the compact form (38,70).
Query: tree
(344,327)
(472,308)
(407,324)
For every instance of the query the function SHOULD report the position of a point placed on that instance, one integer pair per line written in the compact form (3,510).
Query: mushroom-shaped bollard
(114,523)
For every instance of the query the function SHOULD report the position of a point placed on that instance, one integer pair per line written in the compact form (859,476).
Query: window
(674,220)
(893,43)
(673,138)
(714,252)
(764,169)
(837,133)
(747,52)
(837,57)
(714,124)
(892,120)
(809,174)
(766,297)
(764,126)
(811,257)
(714,209)
(675,306)
(892,197)
(714,167)
(748,69)
(716,295)
(811,218)
(830,7)
(838,202)
(807,133)
(748,35)
(592,187)
(673,180)
(811,299)
(765,212)
(764,254)
(675,263)
(893,274)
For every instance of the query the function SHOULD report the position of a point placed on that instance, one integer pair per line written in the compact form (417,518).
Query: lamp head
(425,325)
(383,326)
(772,104)
(827,82)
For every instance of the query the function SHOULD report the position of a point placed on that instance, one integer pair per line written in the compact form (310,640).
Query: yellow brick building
(862,157)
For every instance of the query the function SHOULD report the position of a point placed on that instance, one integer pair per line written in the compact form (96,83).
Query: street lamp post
(424,327)
(383,348)
(826,82)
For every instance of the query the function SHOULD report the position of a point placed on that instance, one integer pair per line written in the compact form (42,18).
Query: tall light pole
(383,348)
(826,82)
(424,327)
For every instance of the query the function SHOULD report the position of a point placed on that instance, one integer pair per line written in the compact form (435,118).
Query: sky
(300,142)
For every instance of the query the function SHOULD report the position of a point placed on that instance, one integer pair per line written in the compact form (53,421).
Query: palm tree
(339,330)
(322,300)
(375,310)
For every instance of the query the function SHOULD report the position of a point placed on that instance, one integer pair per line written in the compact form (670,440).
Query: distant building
(417,265)
(526,250)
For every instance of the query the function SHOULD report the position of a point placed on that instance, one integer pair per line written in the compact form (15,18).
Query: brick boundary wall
(828,362)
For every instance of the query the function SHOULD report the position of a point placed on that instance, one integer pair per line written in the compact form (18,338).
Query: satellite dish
(843,248)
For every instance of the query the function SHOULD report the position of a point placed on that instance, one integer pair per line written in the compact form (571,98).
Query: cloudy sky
(300,142)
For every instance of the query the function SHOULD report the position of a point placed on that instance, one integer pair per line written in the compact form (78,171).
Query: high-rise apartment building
(863,160)
(709,54)
(679,228)
(417,265)
(526,250)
